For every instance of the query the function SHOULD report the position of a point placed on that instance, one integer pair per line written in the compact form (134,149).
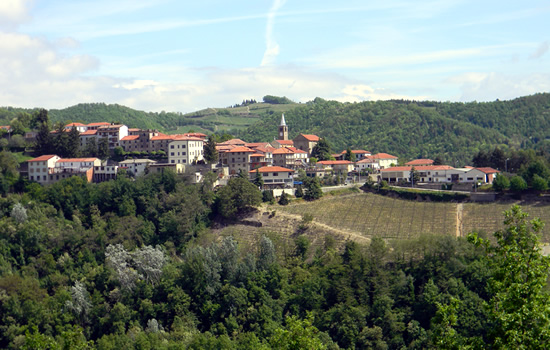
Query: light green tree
(519,302)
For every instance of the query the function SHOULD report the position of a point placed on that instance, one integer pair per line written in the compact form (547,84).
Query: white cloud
(493,85)
(272,47)
(13,13)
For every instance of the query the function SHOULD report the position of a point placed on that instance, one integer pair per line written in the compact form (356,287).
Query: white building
(275,176)
(136,166)
(185,150)
(39,168)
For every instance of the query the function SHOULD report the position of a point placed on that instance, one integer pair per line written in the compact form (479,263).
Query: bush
(283,200)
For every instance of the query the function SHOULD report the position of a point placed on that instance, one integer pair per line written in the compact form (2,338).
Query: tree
(312,189)
(103,148)
(539,183)
(350,155)
(518,184)
(237,195)
(19,213)
(44,140)
(519,301)
(414,176)
(439,160)
(321,151)
(501,183)
(210,151)
(297,335)
(258,180)
(283,200)
(73,143)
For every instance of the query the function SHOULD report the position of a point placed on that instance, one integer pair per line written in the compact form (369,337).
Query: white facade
(185,150)
(136,166)
(39,168)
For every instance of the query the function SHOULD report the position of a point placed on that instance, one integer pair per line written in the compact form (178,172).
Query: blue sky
(188,55)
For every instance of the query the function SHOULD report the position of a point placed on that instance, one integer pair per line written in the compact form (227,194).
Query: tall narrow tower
(283,129)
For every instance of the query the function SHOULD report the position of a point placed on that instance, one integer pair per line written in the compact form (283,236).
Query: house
(87,136)
(420,162)
(282,143)
(290,157)
(338,166)
(486,175)
(159,168)
(67,167)
(384,160)
(237,159)
(139,140)
(78,126)
(114,133)
(429,173)
(39,168)
(306,142)
(6,128)
(136,166)
(359,154)
(105,172)
(366,164)
(95,126)
(185,150)
(275,176)
(233,142)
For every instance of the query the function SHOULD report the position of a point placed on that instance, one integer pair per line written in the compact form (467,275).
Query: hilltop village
(277,161)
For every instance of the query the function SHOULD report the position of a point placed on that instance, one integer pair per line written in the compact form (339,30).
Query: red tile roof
(195,134)
(75,124)
(271,169)
(420,162)
(237,142)
(257,155)
(295,150)
(256,144)
(43,158)
(383,156)
(130,138)
(89,132)
(5,127)
(285,142)
(283,150)
(240,149)
(488,170)
(76,160)
(312,138)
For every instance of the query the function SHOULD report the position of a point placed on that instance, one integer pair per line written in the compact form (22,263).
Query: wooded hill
(413,129)
(407,129)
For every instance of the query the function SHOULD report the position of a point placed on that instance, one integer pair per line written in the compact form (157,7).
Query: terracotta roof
(256,144)
(185,138)
(271,169)
(65,160)
(236,142)
(241,149)
(295,150)
(5,127)
(195,134)
(488,170)
(129,138)
(224,148)
(134,129)
(162,137)
(367,160)
(43,158)
(99,124)
(313,138)
(383,156)
(257,155)
(334,162)
(75,124)
(89,132)
(265,149)
(282,150)
(420,161)
(285,142)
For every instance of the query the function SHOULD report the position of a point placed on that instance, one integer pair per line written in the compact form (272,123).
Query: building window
(172,161)
(275,174)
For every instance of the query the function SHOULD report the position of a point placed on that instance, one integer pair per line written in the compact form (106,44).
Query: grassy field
(224,119)
(370,215)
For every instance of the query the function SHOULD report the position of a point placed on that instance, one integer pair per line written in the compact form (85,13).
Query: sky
(182,56)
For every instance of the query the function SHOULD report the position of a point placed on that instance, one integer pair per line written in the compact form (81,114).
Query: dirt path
(459,218)
(345,233)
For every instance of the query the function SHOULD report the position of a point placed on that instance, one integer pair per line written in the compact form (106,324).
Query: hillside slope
(411,129)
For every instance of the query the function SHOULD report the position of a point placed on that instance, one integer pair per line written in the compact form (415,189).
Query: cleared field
(370,215)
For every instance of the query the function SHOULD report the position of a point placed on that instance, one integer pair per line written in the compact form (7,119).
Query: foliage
(321,151)
(238,195)
(501,183)
(210,151)
(283,200)
(276,100)
(518,184)
(312,189)
(519,302)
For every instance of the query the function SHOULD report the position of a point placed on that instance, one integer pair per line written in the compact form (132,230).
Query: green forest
(134,264)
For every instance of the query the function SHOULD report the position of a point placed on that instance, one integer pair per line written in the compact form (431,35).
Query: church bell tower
(283,129)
